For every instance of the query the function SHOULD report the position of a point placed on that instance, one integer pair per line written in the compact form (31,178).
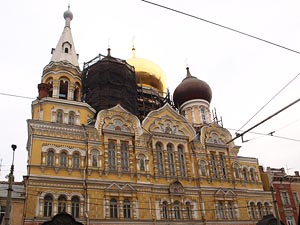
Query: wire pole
(9,190)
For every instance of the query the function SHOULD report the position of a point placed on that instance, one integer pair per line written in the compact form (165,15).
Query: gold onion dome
(148,73)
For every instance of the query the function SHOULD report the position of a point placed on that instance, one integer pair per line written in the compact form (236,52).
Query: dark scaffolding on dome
(108,81)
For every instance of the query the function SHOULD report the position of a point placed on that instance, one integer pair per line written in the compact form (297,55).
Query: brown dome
(191,88)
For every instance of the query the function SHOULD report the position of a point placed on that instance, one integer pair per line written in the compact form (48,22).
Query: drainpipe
(84,183)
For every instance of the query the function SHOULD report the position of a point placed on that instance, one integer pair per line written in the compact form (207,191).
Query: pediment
(113,187)
(166,121)
(118,119)
(176,188)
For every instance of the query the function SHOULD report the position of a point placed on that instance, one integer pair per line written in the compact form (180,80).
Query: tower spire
(65,49)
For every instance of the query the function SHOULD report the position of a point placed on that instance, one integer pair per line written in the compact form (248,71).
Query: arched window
(188,210)
(142,162)
(236,171)
(165,210)
(59,116)
(76,161)
(252,210)
(126,209)
(76,93)
(124,156)
(94,158)
(112,155)
(63,159)
(181,161)
(159,155)
(203,116)
(245,174)
(50,82)
(171,160)
(66,50)
(48,202)
(260,210)
(63,89)
(223,166)
(62,203)
(75,205)
(113,208)
(213,165)
(177,210)
(252,174)
(50,158)
(267,208)
(230,210)
(203,168)
(71,118)
(220,210)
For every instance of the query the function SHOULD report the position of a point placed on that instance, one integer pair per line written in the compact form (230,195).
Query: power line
(17,96)
(270,134)
(281,110)
(269,101)
(219,25)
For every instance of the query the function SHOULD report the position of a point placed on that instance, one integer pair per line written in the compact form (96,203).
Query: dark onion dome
(191,88)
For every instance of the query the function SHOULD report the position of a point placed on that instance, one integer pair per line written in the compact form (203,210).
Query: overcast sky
(243,73)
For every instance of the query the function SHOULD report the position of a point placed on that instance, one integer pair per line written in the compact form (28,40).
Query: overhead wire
(219,25)
(269,101)
(154,117)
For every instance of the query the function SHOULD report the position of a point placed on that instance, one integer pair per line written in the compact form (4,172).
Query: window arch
(113,208)
(77,92)
(223,166)
(62,203)
(124,156)
(159,155)
(94,154)
(252,210)
(230,210)
(63,159)
(267,208)
(141,162)
(50,158)
(165,210)
(126,209)
(245,176)
(75,206)
(76,161)
(213,165)
(188,209)
(48,203)
(170,159)
(220,210)
(71,119)
(260,210)
(63,89)
(112,155)
(181,160)
(203,170)
(252,174)
(177,210)
(236,171)
(59,116)
(50,82)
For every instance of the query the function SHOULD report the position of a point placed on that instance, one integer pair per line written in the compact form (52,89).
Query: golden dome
(148,73)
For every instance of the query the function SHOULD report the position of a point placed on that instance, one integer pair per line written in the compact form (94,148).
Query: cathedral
(108,144)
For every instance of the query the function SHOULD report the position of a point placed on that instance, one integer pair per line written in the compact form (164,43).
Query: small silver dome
(68,14)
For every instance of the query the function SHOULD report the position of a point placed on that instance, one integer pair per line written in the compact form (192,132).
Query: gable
(118,119)
(166,121)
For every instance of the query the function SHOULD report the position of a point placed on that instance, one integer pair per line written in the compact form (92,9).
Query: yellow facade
(109,167)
